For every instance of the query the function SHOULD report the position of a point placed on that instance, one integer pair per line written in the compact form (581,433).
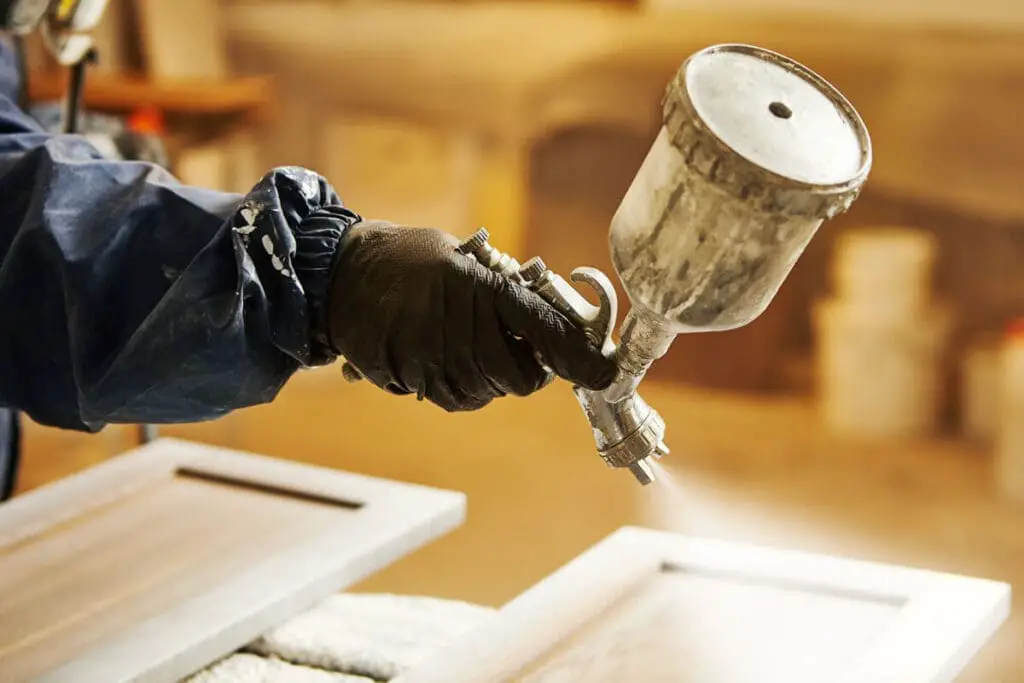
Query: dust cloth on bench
(350,638)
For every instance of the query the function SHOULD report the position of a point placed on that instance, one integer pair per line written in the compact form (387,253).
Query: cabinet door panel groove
(162,561)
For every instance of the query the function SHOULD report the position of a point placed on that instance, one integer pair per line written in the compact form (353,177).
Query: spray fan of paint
(664,503)
(709,505)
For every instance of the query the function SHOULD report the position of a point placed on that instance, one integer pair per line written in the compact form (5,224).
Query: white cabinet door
(157,563)
(658,607)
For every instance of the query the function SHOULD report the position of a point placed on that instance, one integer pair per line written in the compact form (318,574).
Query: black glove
(415,316)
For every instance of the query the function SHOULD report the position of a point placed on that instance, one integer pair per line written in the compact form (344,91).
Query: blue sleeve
(128,297)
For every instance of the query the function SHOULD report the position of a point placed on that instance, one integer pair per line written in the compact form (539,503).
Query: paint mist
(664,502)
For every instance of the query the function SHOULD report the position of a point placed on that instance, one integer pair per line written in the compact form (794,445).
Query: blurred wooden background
(531,118)
(549,108)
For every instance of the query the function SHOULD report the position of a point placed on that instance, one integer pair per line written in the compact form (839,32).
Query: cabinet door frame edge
(943,619)
(394,519)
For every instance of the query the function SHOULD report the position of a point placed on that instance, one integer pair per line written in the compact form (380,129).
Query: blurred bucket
(880,376)
(887,269)
(881,340)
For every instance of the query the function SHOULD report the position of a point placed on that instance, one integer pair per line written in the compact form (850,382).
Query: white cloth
(353,637)
(246,668)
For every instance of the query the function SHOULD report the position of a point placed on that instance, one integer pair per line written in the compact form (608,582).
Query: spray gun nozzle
(643,472)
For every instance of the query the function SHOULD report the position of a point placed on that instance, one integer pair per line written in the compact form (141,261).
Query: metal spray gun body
(627,430)
(755,153)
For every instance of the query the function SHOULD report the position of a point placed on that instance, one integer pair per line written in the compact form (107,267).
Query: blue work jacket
(128,297)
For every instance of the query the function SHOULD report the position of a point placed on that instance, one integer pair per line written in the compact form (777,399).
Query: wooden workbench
(244,98)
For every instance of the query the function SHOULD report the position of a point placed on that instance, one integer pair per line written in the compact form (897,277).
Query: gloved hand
(415,316)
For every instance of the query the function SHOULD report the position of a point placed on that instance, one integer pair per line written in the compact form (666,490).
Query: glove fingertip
(601,375)
(563,346)
(587,368)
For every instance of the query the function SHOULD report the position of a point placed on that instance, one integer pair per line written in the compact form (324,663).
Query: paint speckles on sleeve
(249,223)
(248,215)
(268,246)
(309,184)
(287,229)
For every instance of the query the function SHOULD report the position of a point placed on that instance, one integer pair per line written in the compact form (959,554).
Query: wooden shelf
(184,97)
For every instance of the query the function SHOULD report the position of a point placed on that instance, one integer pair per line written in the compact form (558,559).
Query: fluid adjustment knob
(533,269)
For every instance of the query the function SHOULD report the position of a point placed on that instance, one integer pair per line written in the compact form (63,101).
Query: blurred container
(979,390)
(1009,460)
(879,376)
(886,269)
(881,339)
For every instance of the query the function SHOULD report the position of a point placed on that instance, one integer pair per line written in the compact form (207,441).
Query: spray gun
(755,153)
(628,431)
(65,24)
(66,27)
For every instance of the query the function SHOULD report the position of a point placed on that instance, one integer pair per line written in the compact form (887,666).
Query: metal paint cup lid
(758,123)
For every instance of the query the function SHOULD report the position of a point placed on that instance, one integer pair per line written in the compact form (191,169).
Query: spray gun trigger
(602,322)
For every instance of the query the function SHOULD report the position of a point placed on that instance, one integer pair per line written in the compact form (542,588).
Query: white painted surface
(683,626)
(735,613)
(230,610)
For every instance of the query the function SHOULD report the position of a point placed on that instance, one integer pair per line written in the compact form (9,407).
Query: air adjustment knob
(474,242)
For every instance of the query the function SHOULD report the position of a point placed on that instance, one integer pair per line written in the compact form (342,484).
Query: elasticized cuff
(316,241)
(290,225)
